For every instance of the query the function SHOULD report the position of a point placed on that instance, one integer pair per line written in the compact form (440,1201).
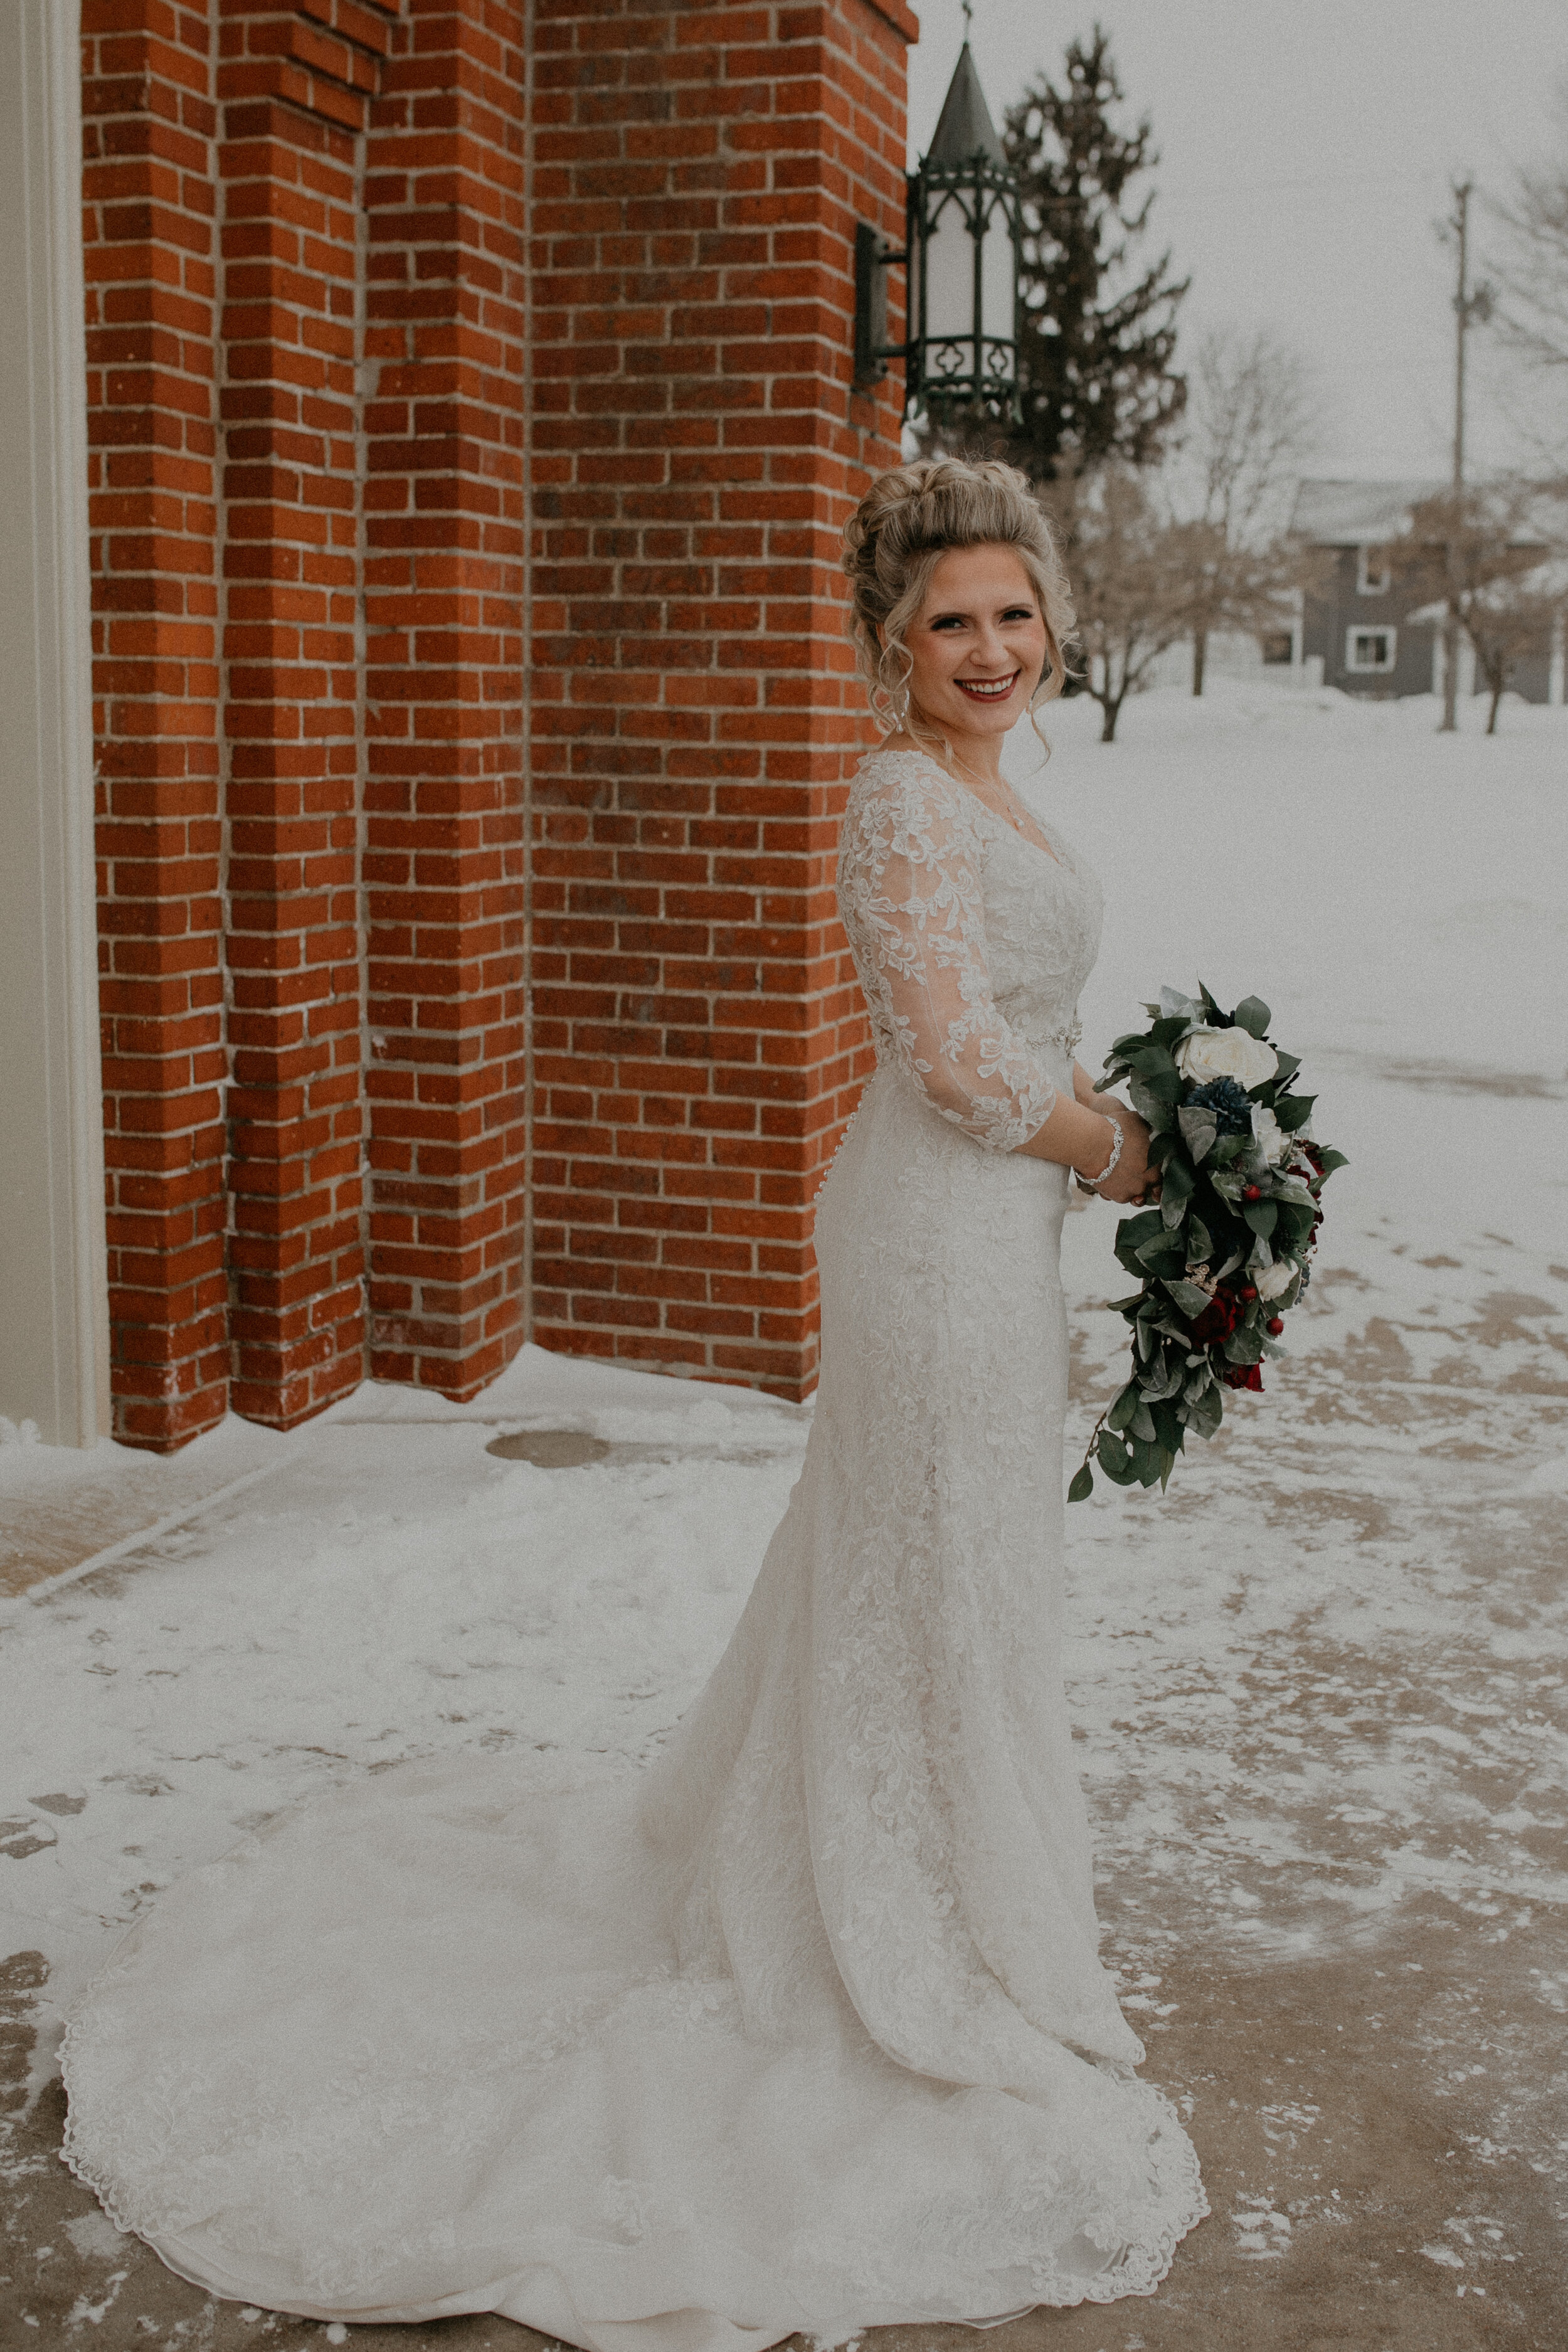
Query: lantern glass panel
(950,275)
(997,285)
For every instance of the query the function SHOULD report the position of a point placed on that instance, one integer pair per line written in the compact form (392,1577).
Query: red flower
(1244,1375)
(1218,1319)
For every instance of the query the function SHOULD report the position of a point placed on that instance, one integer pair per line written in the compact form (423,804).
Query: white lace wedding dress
(805,2028)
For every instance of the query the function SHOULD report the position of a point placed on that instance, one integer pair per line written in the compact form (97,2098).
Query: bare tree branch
(1254,420)
(1497,555)
(1529,263)
(1129,567)
(1253,408)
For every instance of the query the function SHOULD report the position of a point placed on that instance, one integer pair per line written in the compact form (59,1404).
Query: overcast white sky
(1305,152)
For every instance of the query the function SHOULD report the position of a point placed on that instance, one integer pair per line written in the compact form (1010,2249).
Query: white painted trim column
(54,1314)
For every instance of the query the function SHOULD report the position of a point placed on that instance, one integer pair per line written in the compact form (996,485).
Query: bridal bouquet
(1224,1256)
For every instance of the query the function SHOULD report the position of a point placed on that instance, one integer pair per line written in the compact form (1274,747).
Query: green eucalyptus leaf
(1262,1216)
(1190,1296)
(1125,1406)
(1145,1105)
(1144,1461)
(1115,1459)
(1253,1015)
(1134,1231)
(1143,1424)
(1166,1258)
(1205,1412)
(1293,1111)
(1082,1487)
(1199,1129)
(1167,1428)
(1179,1177)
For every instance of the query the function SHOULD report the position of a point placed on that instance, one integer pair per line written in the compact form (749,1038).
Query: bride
(805,2028)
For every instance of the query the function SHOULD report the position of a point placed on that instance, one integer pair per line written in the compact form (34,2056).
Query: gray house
(1376,630)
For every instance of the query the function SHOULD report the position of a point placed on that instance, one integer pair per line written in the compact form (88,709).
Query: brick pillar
(148,130)
(698,1037)
(443,424)
(294,86)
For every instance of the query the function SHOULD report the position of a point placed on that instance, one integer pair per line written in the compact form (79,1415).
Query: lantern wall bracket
(873,259)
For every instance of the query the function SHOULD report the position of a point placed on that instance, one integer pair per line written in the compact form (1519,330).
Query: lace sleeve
(910,886)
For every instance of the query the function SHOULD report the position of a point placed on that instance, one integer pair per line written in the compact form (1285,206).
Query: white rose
(1269,1136)
(1227,1054)
(1273,1281)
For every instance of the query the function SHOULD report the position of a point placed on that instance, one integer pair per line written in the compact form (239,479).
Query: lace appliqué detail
(909,892)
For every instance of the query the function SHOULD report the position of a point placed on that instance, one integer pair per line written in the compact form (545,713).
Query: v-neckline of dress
(1043,846)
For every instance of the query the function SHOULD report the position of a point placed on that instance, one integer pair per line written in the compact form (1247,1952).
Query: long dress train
(805,2029)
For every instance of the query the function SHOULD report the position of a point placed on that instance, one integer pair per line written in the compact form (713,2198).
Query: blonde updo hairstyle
(909,518)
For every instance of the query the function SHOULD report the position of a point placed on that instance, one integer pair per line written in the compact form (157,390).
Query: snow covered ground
(1321,1684)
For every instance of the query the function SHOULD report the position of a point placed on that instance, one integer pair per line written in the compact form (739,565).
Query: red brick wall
(304,258)
(699,1038)
(444,855)
(293,88)
(149,125)
(308,292)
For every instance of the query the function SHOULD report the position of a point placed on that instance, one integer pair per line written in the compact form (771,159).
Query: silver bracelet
(1093,1183)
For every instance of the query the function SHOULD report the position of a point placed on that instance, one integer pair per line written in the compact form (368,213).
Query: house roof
(1548,581)
(1357,514)
(1369,514)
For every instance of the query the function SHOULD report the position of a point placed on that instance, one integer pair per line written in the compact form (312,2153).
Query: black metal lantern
(964,228)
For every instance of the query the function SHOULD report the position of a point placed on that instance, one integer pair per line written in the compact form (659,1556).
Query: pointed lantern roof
(965,128)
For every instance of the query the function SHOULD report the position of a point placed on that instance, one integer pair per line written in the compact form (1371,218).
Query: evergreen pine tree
(1095,360)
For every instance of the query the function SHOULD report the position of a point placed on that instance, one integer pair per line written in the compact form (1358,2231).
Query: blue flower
(1229,1101)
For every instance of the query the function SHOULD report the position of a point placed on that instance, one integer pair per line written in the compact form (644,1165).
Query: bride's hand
(1132,1180)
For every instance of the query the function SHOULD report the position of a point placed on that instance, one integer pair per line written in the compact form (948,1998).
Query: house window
(1370,649)
(1278,645)
(1371,572)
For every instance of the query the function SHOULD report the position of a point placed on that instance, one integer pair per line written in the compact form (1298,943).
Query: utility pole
(1468,309)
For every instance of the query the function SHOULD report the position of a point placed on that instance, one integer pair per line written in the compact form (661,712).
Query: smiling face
(978,647)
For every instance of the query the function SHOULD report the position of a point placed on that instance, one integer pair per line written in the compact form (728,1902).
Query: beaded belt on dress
(1067,1038)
